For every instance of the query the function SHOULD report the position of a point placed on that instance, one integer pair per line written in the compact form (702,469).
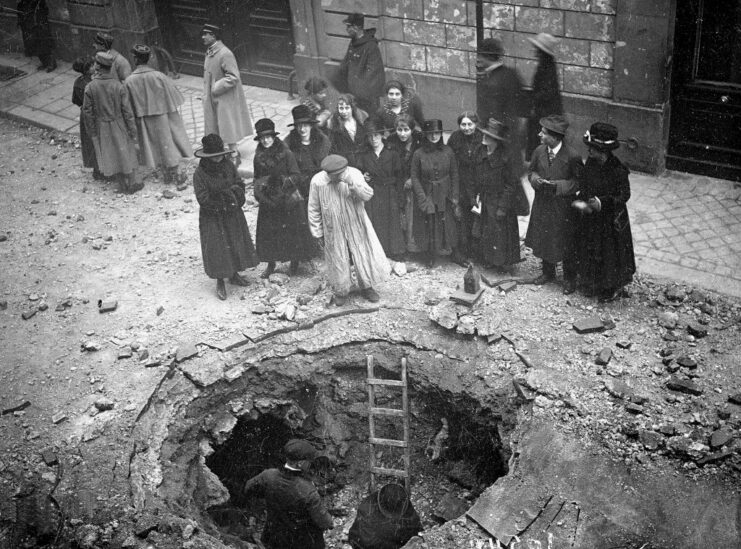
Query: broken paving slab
(203,372)
(589,325)
(464,298)
(185,351)
(227,344)
(507,287)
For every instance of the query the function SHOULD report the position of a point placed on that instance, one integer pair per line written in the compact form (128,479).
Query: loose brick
(539,20)
(424,32)
(460,38)
(591,26)
(600,55)
(584,81)
(571,51)
(447,11)
(407,9)
(499,17)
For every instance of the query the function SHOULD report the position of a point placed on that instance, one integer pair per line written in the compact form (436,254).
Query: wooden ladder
(403,413)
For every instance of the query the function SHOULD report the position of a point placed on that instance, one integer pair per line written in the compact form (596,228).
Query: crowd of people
(363,175)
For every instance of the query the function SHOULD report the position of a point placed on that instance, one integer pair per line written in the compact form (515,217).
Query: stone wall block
(446,11)
(335,47)
(405,56)
(572,5)
(471,9)
(601,55)
(499,16)
(424,32)
(449,62)
(366,7)
(460,38)
(391,29)
(608,7)
(589,26)
(587,81)
(537,20)
(406,9)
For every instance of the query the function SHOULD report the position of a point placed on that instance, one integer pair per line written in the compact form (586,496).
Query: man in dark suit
(554,171)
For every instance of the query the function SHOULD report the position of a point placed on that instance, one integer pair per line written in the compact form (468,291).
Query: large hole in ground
(334,417)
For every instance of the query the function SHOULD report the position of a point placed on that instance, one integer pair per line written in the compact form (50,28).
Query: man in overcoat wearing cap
(109,120)
(337,219)
(121,68)
(155,100)
(498,90)
(554,172)
(361,72)
(225,110)
(296,515)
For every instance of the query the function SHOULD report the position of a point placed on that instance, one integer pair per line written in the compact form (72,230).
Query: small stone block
(153,363)
(604,356)
(459,296)
(507,287)
(185,352)
(687,362)
(683,386)
(735,399)
(28,314)
(633,408)
(720,438)
(58,418)
(125,352)
(589,325)
(624,344)
(697,330)
(672,368)
(107,306)
(667,360)
(49,457)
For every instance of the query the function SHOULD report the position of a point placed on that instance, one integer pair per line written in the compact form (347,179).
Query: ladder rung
(390,472)
(388,442)
(398,412)
(388,382)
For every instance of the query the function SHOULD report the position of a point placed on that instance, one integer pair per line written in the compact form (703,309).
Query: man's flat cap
(334,163)
(298,449)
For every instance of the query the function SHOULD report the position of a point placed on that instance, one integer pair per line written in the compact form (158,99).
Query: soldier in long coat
(85,68)
(382,170)
(554,171)
(155,100)
(604,239)
(338,220)
(121,68)
(109,121)
(499,187)
(226,243)
(225,110)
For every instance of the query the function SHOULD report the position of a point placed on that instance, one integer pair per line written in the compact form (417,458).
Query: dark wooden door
(705,127)
(259,32)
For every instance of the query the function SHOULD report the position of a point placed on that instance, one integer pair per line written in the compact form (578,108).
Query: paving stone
(589,325)
(687,362)
(720,438)
(604,356)
(683,386)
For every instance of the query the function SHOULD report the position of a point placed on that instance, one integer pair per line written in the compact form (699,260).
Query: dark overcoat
(545,98)
(406,152)
(499,96)
(384,209)
(282,232)
(226,244)
(604,239)
(552,219)
(296,515)
(499,185)
(361,72)
(308,157)
(342,143)
(435,183)
(33,19)
(373,529)
(86,143)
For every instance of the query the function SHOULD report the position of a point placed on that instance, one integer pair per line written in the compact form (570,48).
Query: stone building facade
(614,56)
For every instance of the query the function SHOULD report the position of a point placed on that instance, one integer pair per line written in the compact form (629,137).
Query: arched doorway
(259,32)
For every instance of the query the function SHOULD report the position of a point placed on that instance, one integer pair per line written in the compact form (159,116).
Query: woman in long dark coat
(545,95)
(466,144)
(399,100)
(226,244)
(604,239)
(308,145)
(500,192)
(85,68)
(405,140)
(382,169)
(435,183)
(33,19)
(282,232)
(345,127)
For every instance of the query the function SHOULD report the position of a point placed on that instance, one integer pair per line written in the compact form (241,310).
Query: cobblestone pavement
(685,227)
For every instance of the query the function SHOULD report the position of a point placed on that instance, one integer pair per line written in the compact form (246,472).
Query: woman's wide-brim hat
(263,127)
(555,123)
(496,130)
(213,146)
(302,115)
(431,126)
(545,42)
(602,136)
(393,500)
